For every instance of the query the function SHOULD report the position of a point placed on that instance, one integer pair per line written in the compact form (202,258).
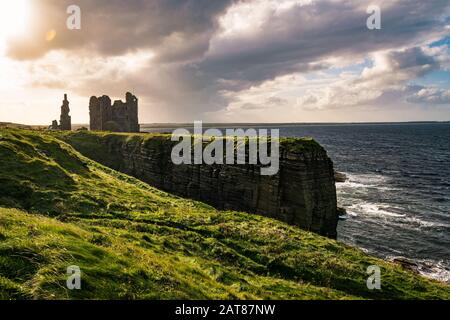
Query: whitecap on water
(437,270)
(366,208)
(391,212)
(413,221)
(371,200)
(365,181)
(368,179)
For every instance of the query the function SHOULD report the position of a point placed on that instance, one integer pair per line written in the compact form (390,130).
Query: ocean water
(398,192)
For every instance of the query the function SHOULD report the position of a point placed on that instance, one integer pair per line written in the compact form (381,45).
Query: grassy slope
(134,241)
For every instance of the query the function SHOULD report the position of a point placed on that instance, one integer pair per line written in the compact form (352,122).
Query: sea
(397,195)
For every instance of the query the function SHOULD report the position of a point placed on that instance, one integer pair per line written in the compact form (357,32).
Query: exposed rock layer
(303,192)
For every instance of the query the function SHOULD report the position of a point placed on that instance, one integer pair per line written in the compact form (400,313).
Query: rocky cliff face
(303,192)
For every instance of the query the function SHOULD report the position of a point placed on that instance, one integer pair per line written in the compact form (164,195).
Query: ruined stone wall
(99,112)
(303,193)
(117,117)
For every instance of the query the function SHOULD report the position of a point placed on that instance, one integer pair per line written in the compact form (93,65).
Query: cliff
(302,193)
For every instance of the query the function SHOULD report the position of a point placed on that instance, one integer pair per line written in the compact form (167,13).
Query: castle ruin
(65,121)
(118,117)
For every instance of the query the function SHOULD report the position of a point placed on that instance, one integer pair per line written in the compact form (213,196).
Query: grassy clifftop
(96,144)
(58,208)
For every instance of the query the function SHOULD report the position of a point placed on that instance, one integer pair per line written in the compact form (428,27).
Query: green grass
(99,145)
(132,241)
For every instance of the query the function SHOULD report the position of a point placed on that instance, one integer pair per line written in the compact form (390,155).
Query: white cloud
(391,72)
(431,96)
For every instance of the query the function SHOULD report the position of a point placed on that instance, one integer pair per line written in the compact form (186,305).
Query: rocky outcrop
(340,177)
(303,192)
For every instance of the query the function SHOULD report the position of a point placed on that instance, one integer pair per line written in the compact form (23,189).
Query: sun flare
(13,18)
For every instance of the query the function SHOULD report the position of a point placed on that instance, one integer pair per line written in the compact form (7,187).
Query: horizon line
(169,124)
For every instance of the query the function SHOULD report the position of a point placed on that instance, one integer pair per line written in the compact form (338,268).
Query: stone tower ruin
(65,120)
(118,117)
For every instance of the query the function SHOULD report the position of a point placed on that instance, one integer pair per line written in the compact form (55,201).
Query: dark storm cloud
(306,34)
(113,27)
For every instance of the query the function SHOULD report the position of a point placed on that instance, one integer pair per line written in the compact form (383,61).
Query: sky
(228,60)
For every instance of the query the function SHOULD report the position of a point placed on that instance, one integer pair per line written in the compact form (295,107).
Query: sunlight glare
(13,18)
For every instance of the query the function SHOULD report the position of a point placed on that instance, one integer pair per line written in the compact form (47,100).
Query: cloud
(433,96)
(387,77)
(116,27)
(287,41)
(191,58)
(383,83)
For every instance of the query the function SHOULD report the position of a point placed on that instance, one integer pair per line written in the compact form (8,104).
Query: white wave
(427,224)
(366,208)
(364,181)
(367,179)
(438,270)
(349,184)
(391,212)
